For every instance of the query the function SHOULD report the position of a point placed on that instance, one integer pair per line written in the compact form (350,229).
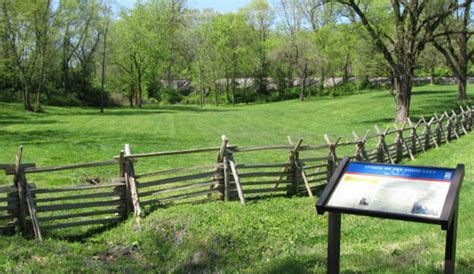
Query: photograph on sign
(417,191)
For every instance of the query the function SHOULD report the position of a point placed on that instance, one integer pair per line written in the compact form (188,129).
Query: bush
(153,90)
(171,96)
(364,83)
(343,89)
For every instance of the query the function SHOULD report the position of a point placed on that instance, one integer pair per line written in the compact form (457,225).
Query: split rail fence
(31,209)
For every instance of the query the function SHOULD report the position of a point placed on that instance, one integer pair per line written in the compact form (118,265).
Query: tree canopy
(93,53)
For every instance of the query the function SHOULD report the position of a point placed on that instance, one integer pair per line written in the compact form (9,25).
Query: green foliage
(171,95)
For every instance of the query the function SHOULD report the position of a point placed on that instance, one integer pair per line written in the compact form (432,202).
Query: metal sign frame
(447,219)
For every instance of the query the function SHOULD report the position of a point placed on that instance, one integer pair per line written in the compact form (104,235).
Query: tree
(260,17)
(453,42)
(105,32)
(138,46)
(292,23)
(42,30)
(231,35)
(414,23)
(430,59)
(17,28)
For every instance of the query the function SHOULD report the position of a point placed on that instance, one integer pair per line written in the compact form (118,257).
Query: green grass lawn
(274,235)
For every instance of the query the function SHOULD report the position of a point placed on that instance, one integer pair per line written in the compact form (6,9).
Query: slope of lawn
(277,235)
(73,135)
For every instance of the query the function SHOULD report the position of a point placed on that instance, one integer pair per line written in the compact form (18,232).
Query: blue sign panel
(397,189)
(406,172)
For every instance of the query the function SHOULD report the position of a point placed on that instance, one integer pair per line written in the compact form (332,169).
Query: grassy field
(275,235)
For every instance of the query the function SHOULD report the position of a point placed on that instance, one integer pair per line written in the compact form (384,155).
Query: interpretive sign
(411,193)
(398,189)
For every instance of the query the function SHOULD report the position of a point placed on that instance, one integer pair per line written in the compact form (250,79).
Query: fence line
(34,210)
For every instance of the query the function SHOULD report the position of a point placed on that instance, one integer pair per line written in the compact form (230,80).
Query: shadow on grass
(189,108)
(49,136)
(296,264)
(82,237)
(9,119)
(427,106)
(146,110)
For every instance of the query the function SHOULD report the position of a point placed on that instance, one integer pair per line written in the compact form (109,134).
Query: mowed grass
(73,135)
(278,235)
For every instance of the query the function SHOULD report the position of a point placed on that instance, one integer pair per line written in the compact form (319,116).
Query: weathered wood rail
(302,170)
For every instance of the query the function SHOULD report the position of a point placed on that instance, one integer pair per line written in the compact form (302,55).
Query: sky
(218,5)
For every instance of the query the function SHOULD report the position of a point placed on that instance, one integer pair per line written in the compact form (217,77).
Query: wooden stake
(18,178)
(237,181)
(32,210)
(132,183)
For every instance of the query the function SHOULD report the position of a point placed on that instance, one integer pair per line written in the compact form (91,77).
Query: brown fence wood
(179,179)
(179,170)
(270,182)
(32,210)
(62,207)
(271,165)
(79,197)
(176,188)
(178,197)
(75,188)
(68,167)
(83,223)
(237,181)
(131,183)
(265,190)
(77,215)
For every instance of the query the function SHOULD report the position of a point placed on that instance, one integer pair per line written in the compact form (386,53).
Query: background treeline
(70,52)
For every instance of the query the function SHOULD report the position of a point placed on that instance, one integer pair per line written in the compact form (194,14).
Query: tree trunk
(302,90)
(303,81)
(462,83)
(322,79)
(403,85)
(139,98)
(233,85)
(432,75)
(26,98)
(102,84)
(345,76)
(392,85)
(131,95)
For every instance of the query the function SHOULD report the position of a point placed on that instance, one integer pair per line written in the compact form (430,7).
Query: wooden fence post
(235,174)
(449,127)
(361,153)
(470,116)
(438,131)
(382,146)
(127,206)
(223,187)
(442,127)
(464,123)
(455,123)
(26,203)
(131,183)
(401,145)
(297,171)
(398,144)
(17,179)
(427,133)
(332,157)
(414,138)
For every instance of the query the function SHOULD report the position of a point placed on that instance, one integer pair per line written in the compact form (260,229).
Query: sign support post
(450,251)
(334,242)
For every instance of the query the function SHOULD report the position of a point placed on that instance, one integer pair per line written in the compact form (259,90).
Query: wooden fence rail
(35,210)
